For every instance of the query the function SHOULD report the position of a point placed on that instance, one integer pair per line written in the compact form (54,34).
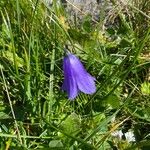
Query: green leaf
(145,88)
(55,144)
(72,124)
(4,116)
(87,24)
(9,56)
(113,101)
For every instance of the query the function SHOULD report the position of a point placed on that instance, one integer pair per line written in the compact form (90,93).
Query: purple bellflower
(76,78)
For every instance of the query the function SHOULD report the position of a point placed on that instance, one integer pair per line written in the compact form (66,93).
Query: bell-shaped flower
(76,78)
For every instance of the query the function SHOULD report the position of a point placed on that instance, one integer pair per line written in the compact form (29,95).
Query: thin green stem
(11,107)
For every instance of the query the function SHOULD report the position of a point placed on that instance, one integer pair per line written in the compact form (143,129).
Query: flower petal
(84,80)
(86,83)
(69,83)
(76,65)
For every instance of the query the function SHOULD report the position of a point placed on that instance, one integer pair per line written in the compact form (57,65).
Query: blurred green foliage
(36,114)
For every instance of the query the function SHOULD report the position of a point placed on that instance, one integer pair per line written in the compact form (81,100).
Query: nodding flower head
(76,78)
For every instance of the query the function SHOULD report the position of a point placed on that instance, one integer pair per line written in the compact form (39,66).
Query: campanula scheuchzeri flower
(76,78)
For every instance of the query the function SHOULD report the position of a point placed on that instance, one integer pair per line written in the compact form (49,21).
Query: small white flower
(117,134)
(130,136)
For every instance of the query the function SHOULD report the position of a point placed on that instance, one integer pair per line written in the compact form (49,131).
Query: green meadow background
(114,48)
